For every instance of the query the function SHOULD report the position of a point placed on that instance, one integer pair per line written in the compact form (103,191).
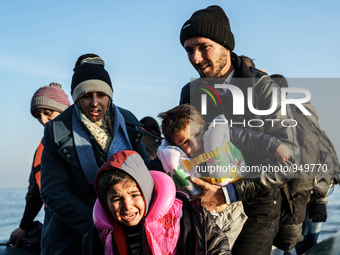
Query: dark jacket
(151,142)
(33,200)
(64,187)
(315,148)
(244,77)
(199,233)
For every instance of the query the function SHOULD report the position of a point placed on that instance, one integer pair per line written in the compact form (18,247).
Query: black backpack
(325,181)
(315,148)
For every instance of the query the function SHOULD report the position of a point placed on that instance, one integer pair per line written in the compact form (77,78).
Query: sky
(40,42)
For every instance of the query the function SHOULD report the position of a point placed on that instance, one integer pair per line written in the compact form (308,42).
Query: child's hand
(282,153)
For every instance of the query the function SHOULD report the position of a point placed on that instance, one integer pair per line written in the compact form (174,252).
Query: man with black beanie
(209,42)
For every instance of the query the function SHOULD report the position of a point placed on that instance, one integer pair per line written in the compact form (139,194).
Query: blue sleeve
(232,192)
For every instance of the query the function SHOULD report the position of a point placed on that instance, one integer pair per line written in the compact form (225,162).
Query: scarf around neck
(100,130)
(118,140)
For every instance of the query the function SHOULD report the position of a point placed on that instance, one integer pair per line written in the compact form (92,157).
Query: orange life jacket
(36,164)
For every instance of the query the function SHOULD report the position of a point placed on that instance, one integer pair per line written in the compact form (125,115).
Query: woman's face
(94,105)
(45,115)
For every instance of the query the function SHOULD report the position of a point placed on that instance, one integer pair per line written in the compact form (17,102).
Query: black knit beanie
(90,76)
(211,23)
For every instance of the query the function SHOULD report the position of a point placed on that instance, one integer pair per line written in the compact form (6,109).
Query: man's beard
(215,69)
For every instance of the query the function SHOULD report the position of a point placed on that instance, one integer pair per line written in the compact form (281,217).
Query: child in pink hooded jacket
(139,212)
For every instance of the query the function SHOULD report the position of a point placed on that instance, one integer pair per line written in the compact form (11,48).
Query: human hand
(318,212)
(282,153)
(15,237)
(212,195)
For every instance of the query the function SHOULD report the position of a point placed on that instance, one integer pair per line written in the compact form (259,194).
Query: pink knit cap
(50,97)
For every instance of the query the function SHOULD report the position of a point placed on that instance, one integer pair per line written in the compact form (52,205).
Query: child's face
(190,139)
(126,203)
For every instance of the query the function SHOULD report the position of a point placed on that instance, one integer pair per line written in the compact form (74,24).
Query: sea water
(12,204)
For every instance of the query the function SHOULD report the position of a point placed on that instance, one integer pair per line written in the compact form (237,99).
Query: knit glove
(317,212)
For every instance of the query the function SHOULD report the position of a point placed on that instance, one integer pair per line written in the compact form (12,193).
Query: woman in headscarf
(77,143)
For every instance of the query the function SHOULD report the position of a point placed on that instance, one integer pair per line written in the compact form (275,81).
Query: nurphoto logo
(238,99)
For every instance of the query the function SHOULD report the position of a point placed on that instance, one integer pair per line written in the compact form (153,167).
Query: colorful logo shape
(206,89)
